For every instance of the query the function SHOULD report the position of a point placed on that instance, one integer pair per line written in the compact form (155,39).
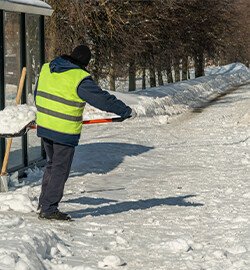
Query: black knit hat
(81,54)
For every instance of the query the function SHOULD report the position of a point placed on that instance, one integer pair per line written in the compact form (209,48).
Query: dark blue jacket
(89,91)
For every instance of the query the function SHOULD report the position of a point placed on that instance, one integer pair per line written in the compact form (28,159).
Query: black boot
(56,215)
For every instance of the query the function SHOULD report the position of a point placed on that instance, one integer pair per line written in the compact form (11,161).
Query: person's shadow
(101,158)
(119,207)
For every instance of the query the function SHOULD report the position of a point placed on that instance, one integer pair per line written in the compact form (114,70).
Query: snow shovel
(32,125)
(4,175)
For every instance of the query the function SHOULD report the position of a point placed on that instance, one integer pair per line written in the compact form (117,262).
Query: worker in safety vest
(63,89)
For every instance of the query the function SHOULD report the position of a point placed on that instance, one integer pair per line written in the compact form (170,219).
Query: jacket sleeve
(89,91)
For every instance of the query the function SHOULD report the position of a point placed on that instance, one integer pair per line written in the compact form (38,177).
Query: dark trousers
(59,160)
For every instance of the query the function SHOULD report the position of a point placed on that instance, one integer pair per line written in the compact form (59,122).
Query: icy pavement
(146,195)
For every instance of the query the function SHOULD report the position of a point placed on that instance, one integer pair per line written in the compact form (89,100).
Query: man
(63,88)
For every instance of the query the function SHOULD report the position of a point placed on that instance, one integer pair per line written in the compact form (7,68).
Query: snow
(37,3)
(19,200)
(152,193)
(174,99)
(111,262)
(26,6)
(169,100)
(14,118)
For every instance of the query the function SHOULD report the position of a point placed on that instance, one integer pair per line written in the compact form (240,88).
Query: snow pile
(173,99)
(20,200)
(14,118)
(25,246)
(231,68)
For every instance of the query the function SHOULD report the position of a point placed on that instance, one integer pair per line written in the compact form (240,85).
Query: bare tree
(131,37)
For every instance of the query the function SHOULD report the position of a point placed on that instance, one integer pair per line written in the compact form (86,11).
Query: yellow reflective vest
(59,108)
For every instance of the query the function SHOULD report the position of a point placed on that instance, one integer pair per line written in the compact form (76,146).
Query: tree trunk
(177,70)
(160,79)
(152,77)
(112,78)
(96,74)
(184,68)
(51,33)
(143,78)
(132,76)
(199,64)
(95,70)
(169,71)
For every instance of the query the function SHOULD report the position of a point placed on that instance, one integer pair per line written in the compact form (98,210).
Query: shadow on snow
(101,158)
(121,207)
(90,201)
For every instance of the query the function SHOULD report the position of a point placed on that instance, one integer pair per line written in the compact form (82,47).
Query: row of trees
(134,37)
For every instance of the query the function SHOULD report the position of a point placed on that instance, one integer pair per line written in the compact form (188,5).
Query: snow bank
(173,99)
(25,246)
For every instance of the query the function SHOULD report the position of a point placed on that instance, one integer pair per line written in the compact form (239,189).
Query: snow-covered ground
(153,193)
(170,100)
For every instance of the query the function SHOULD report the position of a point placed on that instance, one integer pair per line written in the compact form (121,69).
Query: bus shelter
(22,44)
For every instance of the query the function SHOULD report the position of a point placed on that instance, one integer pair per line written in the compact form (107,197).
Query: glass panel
(33,69)
(12,55)
(12,74)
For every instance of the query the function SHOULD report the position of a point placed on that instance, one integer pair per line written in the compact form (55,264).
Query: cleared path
(166,196)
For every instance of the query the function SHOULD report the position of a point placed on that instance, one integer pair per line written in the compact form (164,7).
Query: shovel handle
(107,120)
(6,156)
(94,121)
(20,87)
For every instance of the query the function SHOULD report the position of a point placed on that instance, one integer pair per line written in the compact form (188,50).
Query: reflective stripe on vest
(59,108)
